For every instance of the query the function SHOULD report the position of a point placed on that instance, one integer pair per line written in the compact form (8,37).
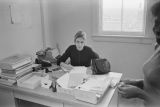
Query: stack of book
(15,66)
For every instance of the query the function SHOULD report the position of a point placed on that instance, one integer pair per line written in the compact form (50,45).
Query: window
(122,17)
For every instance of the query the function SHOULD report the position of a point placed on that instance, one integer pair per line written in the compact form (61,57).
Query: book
(6,82)
(18,70)
(9,80)
(15,61)
(15,76)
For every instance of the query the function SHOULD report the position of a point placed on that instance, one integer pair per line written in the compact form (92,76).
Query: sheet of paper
(63,80)
(96,84)
(79,69)
(76,76)
(75,79)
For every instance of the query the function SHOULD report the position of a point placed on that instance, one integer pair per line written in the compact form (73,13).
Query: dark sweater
(78,58)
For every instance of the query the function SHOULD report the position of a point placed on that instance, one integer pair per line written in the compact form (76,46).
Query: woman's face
(80,43)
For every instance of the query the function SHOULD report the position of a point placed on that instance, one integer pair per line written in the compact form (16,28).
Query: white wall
(71,15)
(49,16)
(24,35)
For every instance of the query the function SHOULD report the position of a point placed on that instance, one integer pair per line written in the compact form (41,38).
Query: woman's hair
(155,9)
(80,34)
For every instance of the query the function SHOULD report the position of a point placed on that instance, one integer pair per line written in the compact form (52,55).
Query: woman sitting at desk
(79,53)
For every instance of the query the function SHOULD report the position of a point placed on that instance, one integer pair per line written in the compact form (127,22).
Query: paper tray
(31,85)
(87,96)
(84,93)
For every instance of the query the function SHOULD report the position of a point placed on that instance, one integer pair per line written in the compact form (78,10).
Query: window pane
(111,11)
(122,15)
(133,12)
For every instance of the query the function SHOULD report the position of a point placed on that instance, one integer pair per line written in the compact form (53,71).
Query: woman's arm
(134,82)
(65,56)
(93,54)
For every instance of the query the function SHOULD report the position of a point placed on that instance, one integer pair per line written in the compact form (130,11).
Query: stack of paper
(15,67)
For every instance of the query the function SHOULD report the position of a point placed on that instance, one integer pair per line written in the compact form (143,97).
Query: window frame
(125,33)
(127,37)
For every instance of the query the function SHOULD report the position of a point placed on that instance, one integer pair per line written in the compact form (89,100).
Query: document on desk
(79,69)
(97,85)
(76,76)
(63,80)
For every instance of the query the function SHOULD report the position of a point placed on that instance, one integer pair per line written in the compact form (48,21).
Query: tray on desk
(92,90)
(31,80)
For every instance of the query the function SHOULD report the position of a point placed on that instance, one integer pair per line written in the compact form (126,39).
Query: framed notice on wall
(20,12)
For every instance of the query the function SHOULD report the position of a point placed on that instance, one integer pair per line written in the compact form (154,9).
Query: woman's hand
(129,91)
(67,67)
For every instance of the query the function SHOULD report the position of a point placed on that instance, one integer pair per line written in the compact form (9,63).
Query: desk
(6,96)
(47,97)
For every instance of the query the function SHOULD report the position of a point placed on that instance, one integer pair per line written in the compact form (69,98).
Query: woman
(79,53)
(147,89)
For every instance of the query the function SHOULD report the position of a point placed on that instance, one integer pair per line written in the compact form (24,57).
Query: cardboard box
(30,81)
